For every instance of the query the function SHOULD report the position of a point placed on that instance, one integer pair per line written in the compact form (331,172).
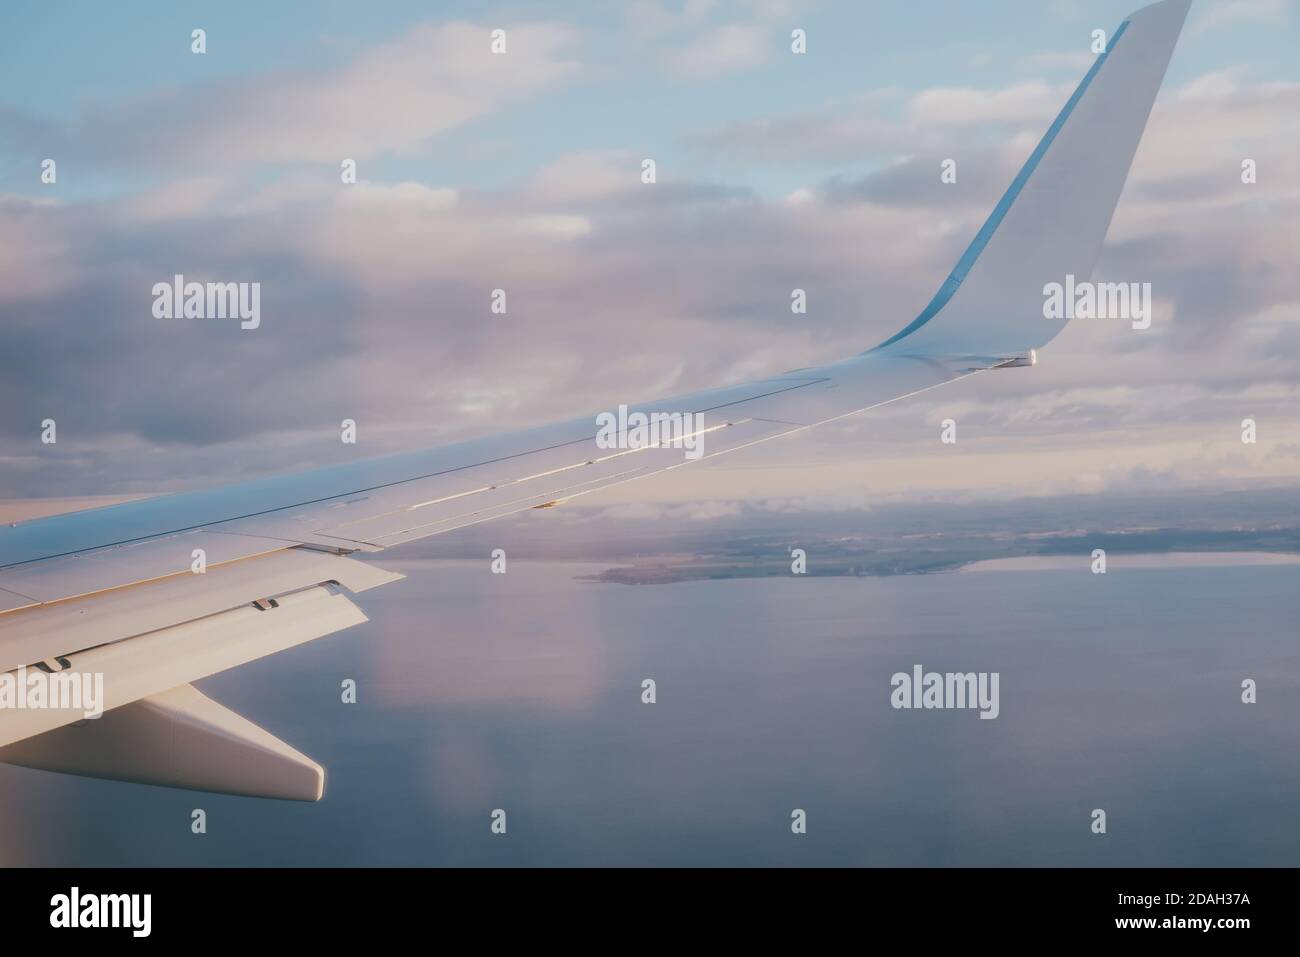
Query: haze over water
(523,692)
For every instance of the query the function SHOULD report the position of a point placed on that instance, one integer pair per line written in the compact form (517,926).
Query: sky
(522,171)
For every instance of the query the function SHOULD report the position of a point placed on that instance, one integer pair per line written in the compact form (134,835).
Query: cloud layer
(376,296)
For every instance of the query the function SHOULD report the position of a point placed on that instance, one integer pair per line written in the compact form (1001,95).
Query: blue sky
(624,96)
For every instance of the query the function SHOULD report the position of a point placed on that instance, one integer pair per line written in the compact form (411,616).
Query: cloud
(650,17)
(392,98)
(578,177)
(934,119)
(799,138)
(400,197)
(726,49)
(1275,12)
(1218,85)
(960,106)
(376,296)
(1073,60)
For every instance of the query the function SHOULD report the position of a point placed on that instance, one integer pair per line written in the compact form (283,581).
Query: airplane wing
(153,595)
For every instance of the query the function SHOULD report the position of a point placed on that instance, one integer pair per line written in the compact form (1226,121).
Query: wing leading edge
(113,591)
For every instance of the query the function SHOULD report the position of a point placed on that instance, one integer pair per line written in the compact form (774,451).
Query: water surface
(523,692)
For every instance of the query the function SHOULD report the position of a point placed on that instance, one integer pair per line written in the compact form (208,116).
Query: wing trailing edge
(150,664)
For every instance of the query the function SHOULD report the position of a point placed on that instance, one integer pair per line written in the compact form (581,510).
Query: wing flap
(152,663)
(9,601)
(68,626)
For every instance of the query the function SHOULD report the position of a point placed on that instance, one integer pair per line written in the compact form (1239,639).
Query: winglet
(1053,219)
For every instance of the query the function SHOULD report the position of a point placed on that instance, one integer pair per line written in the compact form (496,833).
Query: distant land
(661,574)
(659,545)
(755,540)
